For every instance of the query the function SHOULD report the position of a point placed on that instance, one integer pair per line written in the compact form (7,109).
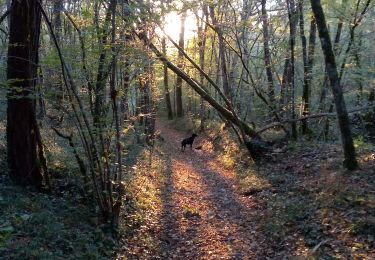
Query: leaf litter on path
(202,213)
(296,205)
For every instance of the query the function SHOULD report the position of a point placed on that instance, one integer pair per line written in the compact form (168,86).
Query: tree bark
(9,4)
(22,128)
(202,36)
(350,161)
(166,83)
(267,57)
(223,62)
(353,25)
(58,7)
(292,12)
(114,92)
(284,87)
(179,107)
(308,60)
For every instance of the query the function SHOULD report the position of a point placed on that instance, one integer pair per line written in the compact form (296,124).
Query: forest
(187,129)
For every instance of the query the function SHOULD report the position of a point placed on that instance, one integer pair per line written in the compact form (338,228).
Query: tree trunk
(336,51)
(140,111)
(284,92)
(267,57)
(102,74)
(148,110)
(126,88)
(223,62)
(166,83)
(9,4)
(114,92)
(292,42)
(359,80)
(202,35)
(22,128)
(353,25)
(308,61)
(58,7)
(179,106)
(350,161)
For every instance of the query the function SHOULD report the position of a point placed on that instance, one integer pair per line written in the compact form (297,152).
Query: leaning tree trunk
(22,129)
(350,161)
(199,89)
(336,51)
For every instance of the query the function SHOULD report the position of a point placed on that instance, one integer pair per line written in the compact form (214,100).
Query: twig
(69,83)
(7,12)
(319,245)
(80,162)
(83,57)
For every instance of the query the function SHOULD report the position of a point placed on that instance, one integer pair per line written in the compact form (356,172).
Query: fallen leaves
(200,212)
(301,204)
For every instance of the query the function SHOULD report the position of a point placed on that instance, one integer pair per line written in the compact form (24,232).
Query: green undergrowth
(40,226)
(60,225)
(64,224)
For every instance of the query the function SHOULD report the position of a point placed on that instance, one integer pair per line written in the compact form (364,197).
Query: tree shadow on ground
(313,207)
(208,220)
(172,238)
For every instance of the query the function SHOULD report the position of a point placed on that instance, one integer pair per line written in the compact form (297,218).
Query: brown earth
(204,214)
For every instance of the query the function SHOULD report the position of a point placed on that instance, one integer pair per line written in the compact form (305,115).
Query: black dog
(186,141)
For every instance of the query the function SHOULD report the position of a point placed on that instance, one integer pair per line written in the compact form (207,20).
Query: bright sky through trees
(173,25)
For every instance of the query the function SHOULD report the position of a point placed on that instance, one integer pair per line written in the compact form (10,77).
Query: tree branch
(276,124)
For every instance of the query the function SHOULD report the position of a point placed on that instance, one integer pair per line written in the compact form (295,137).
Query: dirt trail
(204,215)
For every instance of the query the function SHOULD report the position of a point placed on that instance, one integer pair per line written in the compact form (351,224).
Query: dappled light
(187,129)
(203,214)
(302,209)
